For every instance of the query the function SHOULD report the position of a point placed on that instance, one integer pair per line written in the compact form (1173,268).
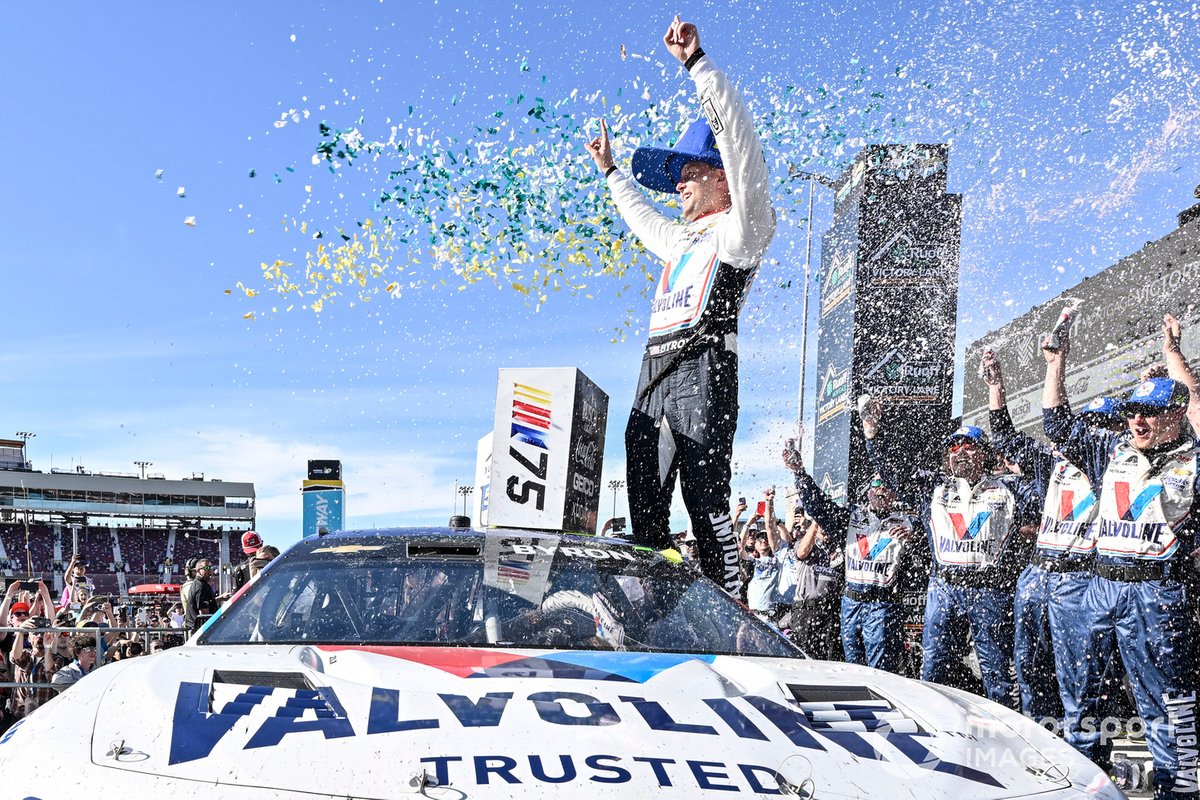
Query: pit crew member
(1137,602)
(973,519)
(1047,648)
(877,533)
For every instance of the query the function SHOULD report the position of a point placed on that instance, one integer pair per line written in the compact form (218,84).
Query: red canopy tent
(155,588)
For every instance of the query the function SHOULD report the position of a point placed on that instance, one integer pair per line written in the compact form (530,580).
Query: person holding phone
(769,557)
(35,659)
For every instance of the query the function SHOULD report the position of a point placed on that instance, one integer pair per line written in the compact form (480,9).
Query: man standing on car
(685,410)
(1137,604)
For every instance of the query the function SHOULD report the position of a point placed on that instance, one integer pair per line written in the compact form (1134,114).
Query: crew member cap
(658,168)
(251,541)
(18,608)
(1157,394)
(972,432)
(1106,407)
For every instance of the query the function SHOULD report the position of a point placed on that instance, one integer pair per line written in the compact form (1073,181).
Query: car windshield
(493,590)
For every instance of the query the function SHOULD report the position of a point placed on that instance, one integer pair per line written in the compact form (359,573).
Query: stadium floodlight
(616,486)
(465,491)
(143,465)
(25,436)
(829,183)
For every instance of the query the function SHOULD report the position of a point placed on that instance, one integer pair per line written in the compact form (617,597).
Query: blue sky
(1074,130)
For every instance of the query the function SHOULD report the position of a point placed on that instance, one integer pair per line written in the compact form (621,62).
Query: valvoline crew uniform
(685,411)
(1137,602)
(977,555)
(876,550)
(1048,646)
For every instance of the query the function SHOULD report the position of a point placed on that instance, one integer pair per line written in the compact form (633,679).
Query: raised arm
(43,605)
(10,596)
(1083,447)
(769,520)
(1054,389)
(818,505)
(751,226)
(1035,458)
(1179,370)
(16,653)
(804,544)
(654,228)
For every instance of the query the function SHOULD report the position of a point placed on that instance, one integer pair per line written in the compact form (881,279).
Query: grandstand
(129,529)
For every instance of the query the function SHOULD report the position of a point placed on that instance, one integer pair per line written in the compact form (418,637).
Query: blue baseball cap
(658,168)
(972,432)
(1156,395)
(1107,408)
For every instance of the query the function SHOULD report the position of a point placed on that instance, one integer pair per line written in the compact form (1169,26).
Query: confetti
(517,202)
(509,198)
(158,174)
(180,192)
(189,221)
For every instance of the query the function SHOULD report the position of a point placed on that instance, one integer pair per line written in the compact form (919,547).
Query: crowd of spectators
(791,573)
(53,645)
(142,554)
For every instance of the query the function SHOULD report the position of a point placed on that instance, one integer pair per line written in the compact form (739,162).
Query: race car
(513,664)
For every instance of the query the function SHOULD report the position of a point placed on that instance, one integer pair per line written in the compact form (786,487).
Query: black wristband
(693,58)
(610,170)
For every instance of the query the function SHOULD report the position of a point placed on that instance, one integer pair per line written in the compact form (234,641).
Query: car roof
(466,534)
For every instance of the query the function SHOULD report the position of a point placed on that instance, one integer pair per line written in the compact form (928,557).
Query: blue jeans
(989,614)
(873,633)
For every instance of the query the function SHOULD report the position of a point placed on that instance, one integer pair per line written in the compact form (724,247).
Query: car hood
(383,722)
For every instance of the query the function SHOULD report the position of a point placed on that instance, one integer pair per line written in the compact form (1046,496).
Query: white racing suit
(685,411)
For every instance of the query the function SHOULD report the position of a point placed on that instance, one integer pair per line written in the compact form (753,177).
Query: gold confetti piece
(229,291)
(248,315)
(189,221)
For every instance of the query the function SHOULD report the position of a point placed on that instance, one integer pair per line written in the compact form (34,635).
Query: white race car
(513,664)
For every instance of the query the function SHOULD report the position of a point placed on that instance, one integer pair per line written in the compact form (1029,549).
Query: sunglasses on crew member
(876,483)
(962,444)
(1130,411)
